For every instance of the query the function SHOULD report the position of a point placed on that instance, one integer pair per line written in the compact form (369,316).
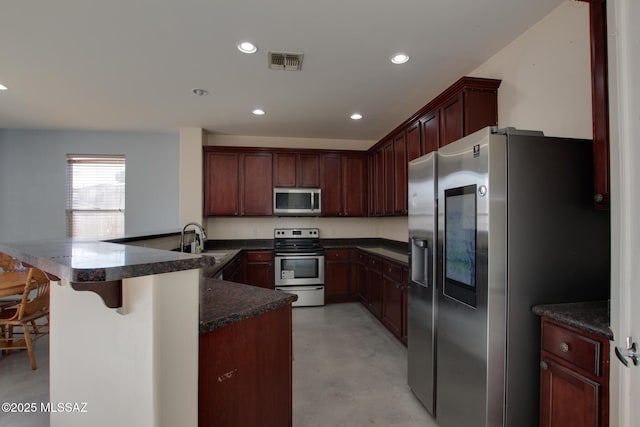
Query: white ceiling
(131,64)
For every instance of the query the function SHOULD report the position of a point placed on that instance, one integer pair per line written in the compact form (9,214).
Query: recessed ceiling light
(3,87)
(258,112)
(400,58)
(200,92)
(247,47)
(356,116)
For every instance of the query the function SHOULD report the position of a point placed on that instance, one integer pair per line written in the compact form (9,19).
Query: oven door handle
(306,254)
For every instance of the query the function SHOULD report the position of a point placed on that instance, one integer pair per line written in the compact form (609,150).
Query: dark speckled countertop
(591,316)
(223,303)
(91,261)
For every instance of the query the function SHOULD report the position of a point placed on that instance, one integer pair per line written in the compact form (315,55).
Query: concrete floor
(348,371)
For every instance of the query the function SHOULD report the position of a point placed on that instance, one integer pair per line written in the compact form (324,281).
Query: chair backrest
(35,297)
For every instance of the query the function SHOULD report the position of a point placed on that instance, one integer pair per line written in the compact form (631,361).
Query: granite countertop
(591,316)
(92,261)
(387,253)
(223,303)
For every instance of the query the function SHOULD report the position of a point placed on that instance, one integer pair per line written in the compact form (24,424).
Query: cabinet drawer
(392,271)
(375,263)
(259,256)
(336,254)
(578,350)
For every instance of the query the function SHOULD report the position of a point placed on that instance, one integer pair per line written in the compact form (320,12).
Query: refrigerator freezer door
(422,309)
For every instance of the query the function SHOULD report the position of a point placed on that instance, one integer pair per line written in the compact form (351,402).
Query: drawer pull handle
(544,365)
(564,347)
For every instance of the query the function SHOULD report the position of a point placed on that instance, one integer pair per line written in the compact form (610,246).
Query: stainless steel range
(299,264)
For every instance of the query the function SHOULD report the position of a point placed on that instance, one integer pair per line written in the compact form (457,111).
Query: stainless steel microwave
(297,201)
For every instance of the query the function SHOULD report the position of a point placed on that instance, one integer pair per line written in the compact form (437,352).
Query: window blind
(95,196)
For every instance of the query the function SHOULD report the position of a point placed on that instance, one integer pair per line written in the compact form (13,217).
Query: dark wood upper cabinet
(465,107)
(599,101)
(389,179)
(221,184)
(256,185)
(284,170)
(296,170)
(400,173)
(451,121)
(344,185)
(237,182)
(413,141)
(331,184)
(430,132)
(354,185)
(308,171)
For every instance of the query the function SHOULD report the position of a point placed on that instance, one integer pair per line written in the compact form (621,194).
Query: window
(95,196)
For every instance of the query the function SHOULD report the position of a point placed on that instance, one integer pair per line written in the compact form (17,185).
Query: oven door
(293,269)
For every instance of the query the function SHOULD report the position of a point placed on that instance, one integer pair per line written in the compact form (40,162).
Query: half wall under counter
(138,366)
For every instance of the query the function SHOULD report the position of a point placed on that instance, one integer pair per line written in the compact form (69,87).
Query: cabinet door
(480,110)
(308,171)
(451,121)
(389,179)
(336,275)
(430,132)
(331,185)
(400,173)
(567,398)
(392,297)
(256,184)
(221,183)
(392,306)
(354,186)
(378,191)
(284,169)
(375,286)
(413,141)
(363,278)
(259,269)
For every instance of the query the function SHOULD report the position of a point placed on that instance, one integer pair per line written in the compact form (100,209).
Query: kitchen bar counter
(223,303)
(91,261)
(591,316)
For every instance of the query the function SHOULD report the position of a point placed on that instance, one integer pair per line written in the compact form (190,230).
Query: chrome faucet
(200,231)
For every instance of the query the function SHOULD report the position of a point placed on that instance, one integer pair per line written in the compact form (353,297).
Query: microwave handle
(313,196)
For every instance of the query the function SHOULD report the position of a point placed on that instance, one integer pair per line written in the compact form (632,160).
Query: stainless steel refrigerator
(515,227)
(422,309)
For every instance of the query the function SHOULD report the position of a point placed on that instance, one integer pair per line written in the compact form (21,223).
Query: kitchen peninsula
(131,352)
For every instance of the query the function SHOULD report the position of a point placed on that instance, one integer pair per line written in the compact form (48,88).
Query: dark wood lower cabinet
(374,276)
(259,269)
(362,280)
(574,377)
(233,271)
(244,376)
(338,286)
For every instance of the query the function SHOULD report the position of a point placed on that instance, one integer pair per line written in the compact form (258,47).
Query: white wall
(33,180)
(546,75)
(139,368)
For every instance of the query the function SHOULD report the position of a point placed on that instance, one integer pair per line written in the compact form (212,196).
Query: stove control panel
(296,233)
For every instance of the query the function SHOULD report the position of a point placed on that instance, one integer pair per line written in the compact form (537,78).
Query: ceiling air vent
(285,61)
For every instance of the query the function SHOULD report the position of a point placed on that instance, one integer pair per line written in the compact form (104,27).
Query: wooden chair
(9,264)
(33,307)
